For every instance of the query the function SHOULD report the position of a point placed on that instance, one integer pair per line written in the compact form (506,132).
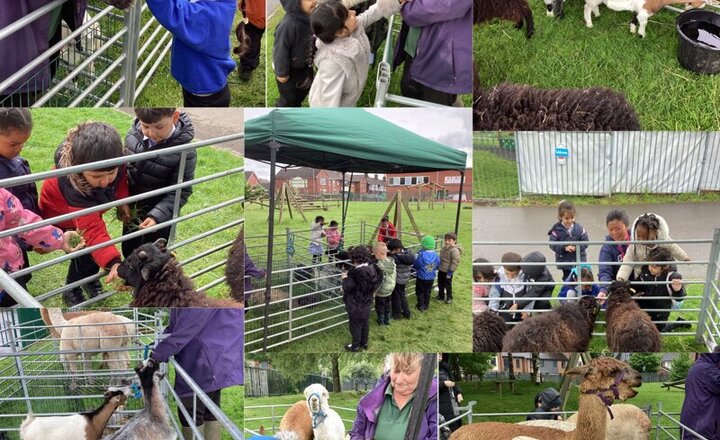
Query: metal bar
(459,204)
(274,146)
(29,18)
(707,291)
(130,51)
(16,291)
(178,193)
(97,82)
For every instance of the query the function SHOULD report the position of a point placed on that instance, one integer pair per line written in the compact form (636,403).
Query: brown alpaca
(67,316)
(604,379)
(629,328)
(297,420)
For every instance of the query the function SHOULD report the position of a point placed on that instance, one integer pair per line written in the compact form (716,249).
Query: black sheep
(517,11)
(489,328)
(629,328)
(235,268)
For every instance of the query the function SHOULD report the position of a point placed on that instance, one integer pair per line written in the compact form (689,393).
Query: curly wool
(488,331)
(235,268)
(517,11)
(629,328)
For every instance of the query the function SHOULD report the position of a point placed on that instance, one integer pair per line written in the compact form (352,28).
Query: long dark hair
(327,19)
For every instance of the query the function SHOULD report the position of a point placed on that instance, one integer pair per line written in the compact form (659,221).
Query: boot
(386,318)
(188,433)
(212,430)
(73,297)
(93,288)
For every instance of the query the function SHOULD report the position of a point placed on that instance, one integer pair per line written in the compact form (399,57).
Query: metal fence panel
(495,173)
(710,180)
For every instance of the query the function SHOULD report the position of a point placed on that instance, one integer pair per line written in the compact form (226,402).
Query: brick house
(449,180)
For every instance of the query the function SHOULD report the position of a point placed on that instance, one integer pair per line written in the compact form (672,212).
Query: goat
(642,9)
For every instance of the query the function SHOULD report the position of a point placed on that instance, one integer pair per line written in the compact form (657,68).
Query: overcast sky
(451,127)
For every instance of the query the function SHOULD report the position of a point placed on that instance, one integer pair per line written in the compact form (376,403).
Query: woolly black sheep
(517,11)
(488,331)
(567,328)
(235,268)
(629,328)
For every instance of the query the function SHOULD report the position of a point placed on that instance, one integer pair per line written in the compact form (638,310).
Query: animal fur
(488,331)
(120,4)
(629,328)
(628,423)
(235,268)
(567,328)
(331,427)
(597,376)
(158,280)
(67,316)
(642,9)
(517,11)
(297,420)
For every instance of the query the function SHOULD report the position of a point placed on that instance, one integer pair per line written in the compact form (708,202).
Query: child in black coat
(660,273)
(358,285)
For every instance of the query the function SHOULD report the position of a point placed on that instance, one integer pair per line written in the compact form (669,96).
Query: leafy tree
(475,364)
(680,366)
(645,362)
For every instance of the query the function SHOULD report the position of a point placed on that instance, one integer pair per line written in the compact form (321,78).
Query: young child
(382,295)
(291,53)
(546,401)
(503,296)
(426,265)
(587,288)
(316,235)
(482,274)
(387,230)
(343,51)
(567,230)
(534,273)
(660,271)
(358,286)
(201,60)
(48,238)
(254,13)
(333,237)
(404,260)
(86,143)
(155,129)
(449,261)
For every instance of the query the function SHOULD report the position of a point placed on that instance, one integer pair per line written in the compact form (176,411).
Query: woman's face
(617,230)
(405,382)
(100,179)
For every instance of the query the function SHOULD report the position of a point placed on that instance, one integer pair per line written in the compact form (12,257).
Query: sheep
(517,11)
(567,328)
(629,328)
(84,426)
(296,420)
(488,331)
(642,9)
(603,380)
(235,268)
(326,423)
(153,421)
(628,423)
(158,280)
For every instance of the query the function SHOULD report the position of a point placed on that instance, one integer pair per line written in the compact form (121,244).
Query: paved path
(686,221)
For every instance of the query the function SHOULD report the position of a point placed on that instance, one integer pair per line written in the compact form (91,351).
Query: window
(323,182)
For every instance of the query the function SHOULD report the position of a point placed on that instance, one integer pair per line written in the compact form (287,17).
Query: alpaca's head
(317,397)
(145,261)
(590,308)
(609,377)
(619,293)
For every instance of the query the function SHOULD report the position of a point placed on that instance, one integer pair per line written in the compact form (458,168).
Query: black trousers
(217,99)
(359,330)
(251,59)
(422,291)
(444,285)
(294,91)
(399,302)
(382,306)
(413,89)
(81,267)
(202,414)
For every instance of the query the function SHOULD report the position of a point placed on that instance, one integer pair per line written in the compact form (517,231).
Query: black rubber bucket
(699,35)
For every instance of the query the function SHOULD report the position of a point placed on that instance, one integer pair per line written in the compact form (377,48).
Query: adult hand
(459,398)
(113,275)
(68,237)
(148,222)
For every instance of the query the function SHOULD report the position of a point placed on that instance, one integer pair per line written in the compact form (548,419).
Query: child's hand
(343,275)
(42,251)
(569,248)
(677,285)
(601,297)
(68,236)
(123,213)
(513,307)
(148,222)
(449,275)
(283,79)
(524,316)
(113,275)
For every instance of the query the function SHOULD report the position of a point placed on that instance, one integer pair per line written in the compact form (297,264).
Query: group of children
(90,142)
(657,278)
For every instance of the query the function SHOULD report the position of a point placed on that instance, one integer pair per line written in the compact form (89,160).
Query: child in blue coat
(426,266)
(567,230)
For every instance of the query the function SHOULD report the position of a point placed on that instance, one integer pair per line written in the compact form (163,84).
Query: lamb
(603,380)
(567,328)
(84,426)
(629,328)
(628,423)
(643,10)
(235,268)
(153,421)
(326,423)
(517,11)
(158,280)
(488,331)
(297,421)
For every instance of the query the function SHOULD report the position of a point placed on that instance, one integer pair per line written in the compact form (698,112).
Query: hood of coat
(292,7)
(533,272)
(663,231)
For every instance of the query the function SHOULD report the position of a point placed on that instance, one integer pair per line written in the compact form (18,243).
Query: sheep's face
(611,377)
(145,261)
(590,306)
(619,293)
(316,396)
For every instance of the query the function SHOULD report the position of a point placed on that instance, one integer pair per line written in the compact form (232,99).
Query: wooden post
(412,221)
(397,217)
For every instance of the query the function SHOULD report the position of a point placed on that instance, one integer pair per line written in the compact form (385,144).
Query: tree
(645,362)
(335,361)
(680,366)
(476,364)
(536,368)
(362,371)
(511,369)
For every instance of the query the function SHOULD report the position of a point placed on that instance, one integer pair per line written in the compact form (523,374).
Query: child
(291,53)
(546,401)
(86,143)
(358,286)
(482,274)
(509,276)
(567,230)
(155,129)
(254,12)
(201,60)
(382,295)
(426,265)
(333,237)
(449,261)
(587,288)
(659,273)
(343,51)
(48,238)
(316,235)
(535,273)
(387,230)
(404,260)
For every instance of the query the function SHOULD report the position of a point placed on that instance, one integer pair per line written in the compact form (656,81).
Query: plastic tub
(699,35)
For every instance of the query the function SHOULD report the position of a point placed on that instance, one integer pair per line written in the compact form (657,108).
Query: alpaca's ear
(579,371)
(160,243)
(145,272)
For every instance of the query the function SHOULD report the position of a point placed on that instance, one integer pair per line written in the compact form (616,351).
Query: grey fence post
(470,409)
(19,366)
(290,303)
(704,162)
(517,163)
(130,50)
(178,193)
(659,419)
(708,290)
(288,236)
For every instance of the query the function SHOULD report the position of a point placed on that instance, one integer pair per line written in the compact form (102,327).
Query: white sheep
(643,10)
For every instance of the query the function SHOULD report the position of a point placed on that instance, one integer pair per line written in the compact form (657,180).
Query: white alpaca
(643,10)
(327,424)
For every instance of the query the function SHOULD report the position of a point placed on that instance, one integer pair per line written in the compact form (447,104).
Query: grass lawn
(50,128)
(345,399)
(564,53)
(442,328)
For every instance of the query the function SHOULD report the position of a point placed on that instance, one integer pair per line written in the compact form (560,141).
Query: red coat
(386,234)
(53,203)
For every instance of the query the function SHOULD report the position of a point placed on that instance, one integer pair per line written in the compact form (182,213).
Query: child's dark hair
(360,254)
(565,206)
(650,221)
(327,19)
(394,244)
(660,254)
(617,214)
(486,271)
(509,258)
(153,115)
(333,223)
(15,118)
(450,236)
(586,274)
(319,218)
(93,142)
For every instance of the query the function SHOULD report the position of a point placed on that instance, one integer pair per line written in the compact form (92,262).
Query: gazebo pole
(417,412)
(460,194)
(271,238)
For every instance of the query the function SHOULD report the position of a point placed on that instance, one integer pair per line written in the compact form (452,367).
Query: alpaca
(603,380)
(517,11)
(629,328)
(567,328)
(326,423)
(67,316)
(158,280)
(642,9)
(488,331)
(296,420)
(235,268)
(628,423)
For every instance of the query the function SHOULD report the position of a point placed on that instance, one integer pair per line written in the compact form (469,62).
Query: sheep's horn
(142,255)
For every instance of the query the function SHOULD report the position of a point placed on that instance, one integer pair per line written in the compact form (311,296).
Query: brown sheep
(488,331)
(629,328)
(297,420)
(235,268)
(517,11)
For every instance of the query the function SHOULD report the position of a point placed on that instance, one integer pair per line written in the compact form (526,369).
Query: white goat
(643,10)
(326,423)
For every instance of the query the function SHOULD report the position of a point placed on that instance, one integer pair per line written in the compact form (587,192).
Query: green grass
(564,53)
(427,332)
(50,128)
(345,399)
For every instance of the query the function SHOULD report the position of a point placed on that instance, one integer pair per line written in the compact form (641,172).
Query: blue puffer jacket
(426,265)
